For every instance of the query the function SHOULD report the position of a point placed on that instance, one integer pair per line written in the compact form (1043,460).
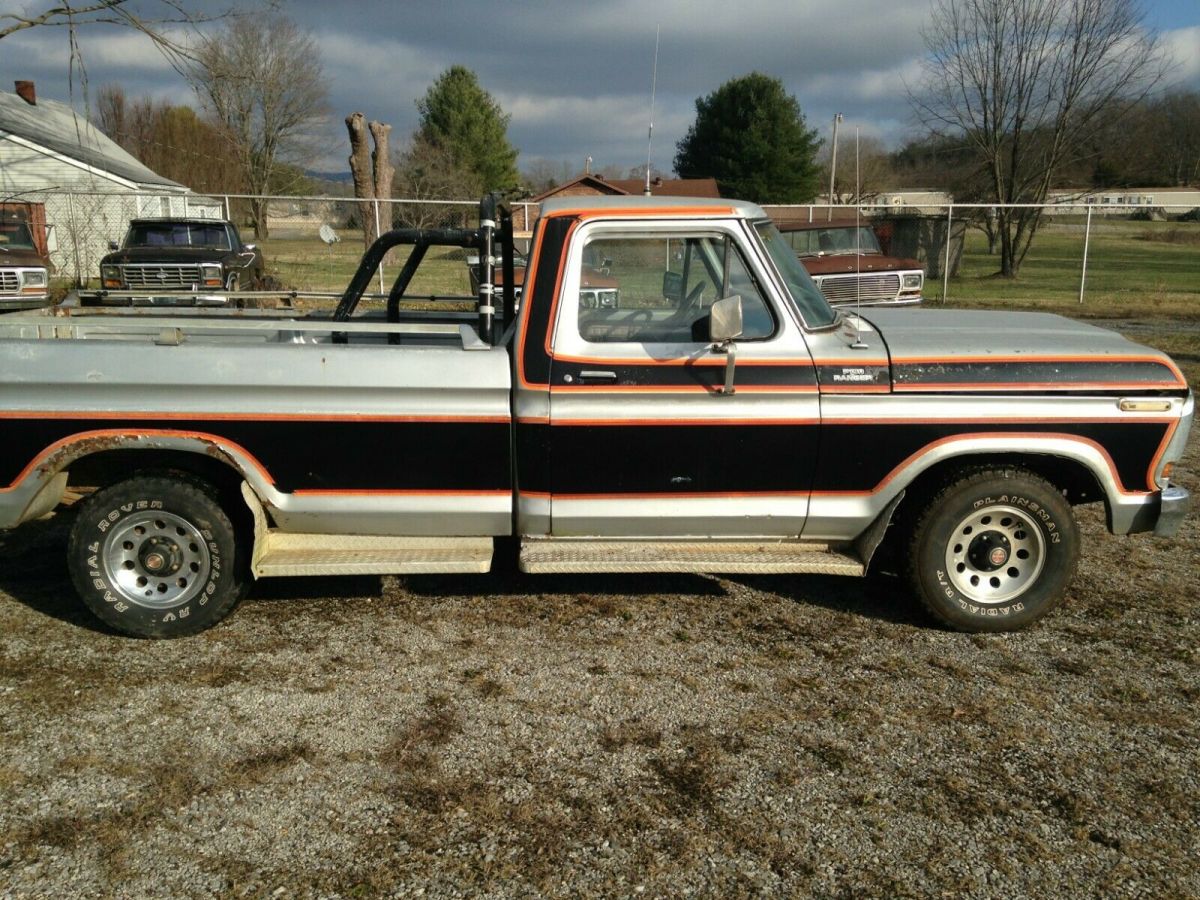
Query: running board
(732,557)
(361,554)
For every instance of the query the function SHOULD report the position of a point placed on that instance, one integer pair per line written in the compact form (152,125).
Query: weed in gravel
(835,755)
(631,732)
(435,726)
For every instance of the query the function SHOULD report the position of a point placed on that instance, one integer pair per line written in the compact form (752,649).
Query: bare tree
(1027,82)
(874,170)
(166,23)
(430,171)
(541,174)
(261,80)
(372,173)
(174,141)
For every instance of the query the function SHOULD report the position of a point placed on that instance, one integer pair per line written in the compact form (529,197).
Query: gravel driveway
(567,736)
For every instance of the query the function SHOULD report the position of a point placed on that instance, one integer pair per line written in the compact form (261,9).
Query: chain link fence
(1099,250)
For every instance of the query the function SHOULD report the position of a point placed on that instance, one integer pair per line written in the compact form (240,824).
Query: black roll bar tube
(421,239)
(494,214)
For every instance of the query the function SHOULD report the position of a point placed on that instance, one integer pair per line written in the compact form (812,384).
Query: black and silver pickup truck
(719,417)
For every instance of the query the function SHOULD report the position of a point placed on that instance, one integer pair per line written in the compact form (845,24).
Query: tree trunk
(360,171)
(258,217)
(383,169)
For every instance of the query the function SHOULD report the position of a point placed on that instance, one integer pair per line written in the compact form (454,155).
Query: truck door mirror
(672,287)
(725,324)
(725,320)
(112,245)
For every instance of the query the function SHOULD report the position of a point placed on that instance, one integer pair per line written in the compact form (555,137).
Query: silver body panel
(217,376)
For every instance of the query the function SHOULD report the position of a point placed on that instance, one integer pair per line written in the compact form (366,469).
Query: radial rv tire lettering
(993,551)
(155,557)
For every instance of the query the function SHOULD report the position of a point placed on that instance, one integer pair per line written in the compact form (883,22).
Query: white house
(91,187)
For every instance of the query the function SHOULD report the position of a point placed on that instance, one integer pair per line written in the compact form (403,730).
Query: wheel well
(1073,478)
(99,470)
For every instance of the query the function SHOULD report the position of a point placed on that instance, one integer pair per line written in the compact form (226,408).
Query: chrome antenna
(653,88)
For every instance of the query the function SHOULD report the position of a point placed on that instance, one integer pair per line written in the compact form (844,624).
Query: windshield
(813,307)
(177,234)
(833,241)
(15,236)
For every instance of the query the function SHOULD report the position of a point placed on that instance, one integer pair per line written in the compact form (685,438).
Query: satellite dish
(328,235)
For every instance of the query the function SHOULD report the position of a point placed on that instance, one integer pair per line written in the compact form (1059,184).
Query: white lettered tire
(994,550)
(156,556)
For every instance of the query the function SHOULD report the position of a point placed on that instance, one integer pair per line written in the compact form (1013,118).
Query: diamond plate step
(350,554)
(733,557)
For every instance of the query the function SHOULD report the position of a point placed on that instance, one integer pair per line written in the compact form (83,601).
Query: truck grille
(161,276)
(9,283)
(843,288)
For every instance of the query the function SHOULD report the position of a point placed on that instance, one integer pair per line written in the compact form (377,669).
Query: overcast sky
(575,76)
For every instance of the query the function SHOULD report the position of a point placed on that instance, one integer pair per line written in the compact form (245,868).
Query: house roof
(659,187)
(57,127)
(670,187)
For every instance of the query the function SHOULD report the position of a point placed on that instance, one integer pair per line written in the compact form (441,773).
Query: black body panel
(308,454)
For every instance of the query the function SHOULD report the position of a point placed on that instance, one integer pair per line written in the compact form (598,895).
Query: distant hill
(334,177)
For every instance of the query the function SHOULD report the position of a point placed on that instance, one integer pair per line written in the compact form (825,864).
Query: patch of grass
(1134,269)
(1172,235)
(304,263)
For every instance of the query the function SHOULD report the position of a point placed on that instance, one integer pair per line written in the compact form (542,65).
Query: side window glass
(659,289)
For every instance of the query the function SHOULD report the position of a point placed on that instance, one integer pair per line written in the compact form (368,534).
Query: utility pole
(837,119)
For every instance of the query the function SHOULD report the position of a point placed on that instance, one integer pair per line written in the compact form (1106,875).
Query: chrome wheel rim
(156,559)
(995,554)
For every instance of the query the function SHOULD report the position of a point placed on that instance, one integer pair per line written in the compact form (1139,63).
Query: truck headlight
(913,282)
(34,278)
(110,276)
(606,299)
(210,275)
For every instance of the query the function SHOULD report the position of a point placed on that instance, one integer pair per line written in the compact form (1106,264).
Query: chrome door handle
(594,375)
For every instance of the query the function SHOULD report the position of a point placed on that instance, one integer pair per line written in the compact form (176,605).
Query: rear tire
(993,551)
(156,556)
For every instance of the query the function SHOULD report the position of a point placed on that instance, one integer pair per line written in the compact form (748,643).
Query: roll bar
(495,231)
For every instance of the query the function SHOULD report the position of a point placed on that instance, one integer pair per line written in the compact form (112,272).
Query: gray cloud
(575,76)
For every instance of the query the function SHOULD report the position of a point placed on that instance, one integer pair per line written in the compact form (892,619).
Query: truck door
(643,439)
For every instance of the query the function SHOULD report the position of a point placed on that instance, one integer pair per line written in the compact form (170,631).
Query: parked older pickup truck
(192,254)
(845,262)
(721,418)
(24,270)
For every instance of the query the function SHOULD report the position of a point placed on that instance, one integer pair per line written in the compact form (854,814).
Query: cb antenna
(653,88)
(858,341)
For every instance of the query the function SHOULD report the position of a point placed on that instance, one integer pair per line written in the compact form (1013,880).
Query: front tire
(994,551)
(156,557)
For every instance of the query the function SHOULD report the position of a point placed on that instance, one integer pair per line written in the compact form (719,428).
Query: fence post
(1087,234)
(377,233)
(946,270)
(810,215)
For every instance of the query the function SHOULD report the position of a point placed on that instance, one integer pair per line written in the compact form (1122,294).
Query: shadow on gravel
(516,584)
(883,598)
(317,587)
(34,572)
